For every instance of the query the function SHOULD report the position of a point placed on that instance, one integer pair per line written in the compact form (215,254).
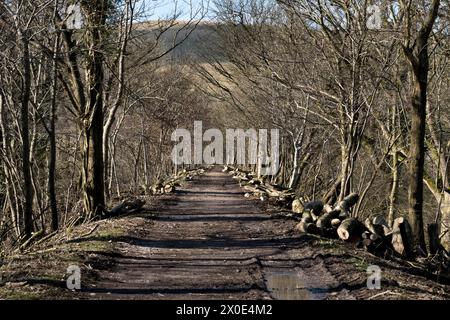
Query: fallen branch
(31,239)
(50,235)
(85,234)
(383,293)
(126,207)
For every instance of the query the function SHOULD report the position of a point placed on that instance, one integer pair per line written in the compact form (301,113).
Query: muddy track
(210,242)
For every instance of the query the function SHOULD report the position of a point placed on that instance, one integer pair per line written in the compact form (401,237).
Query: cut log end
(335,223)
(297,206)
(349,229)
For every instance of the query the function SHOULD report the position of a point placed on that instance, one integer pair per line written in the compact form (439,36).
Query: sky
(186,8)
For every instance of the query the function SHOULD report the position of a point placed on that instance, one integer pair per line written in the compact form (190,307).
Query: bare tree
(416,50)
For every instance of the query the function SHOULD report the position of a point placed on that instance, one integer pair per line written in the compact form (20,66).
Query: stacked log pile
(374,234)
(169,185)
(330,222)
(260,187)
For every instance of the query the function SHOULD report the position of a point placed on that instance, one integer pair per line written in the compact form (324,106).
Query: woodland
(358,90)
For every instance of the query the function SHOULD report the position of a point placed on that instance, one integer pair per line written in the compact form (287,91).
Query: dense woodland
(87,112)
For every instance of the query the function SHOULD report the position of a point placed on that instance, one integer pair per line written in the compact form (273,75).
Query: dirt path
(207,241)
(210,242)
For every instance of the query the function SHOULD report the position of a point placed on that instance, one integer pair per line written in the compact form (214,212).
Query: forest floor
(205,241)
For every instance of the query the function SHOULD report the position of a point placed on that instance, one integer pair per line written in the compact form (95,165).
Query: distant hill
(200,46)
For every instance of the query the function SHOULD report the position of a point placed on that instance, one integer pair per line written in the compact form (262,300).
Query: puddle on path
(285,285)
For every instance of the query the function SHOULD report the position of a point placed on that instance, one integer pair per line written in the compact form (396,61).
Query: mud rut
(210,242)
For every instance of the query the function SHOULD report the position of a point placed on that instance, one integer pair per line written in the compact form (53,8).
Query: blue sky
(165,8)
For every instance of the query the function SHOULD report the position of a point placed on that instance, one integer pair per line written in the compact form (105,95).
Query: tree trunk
(417,147)
(9,185)
(112,113)
(443,216)
(293,181)
(417,54)
(445,220)
(394,189)
(345,162)
(92,174)
(433,238)
(92,169)
(52,138)
(25,97)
